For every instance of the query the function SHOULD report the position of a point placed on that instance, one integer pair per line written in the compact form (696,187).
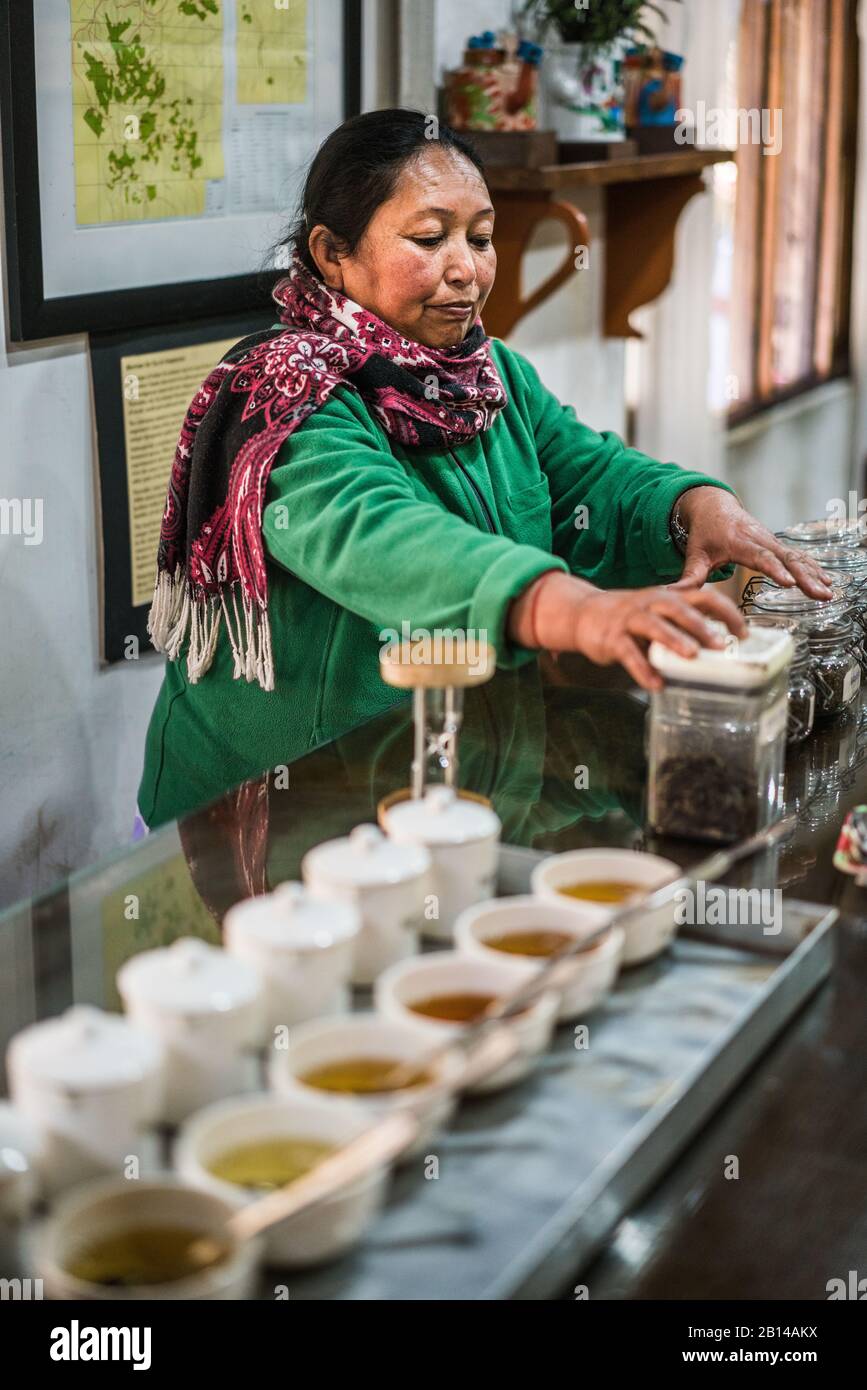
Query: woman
(375,460)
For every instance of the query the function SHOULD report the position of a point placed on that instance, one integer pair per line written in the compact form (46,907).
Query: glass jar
(823,531)
(763,598)
(802,691)
(837,654)
(843,561)
(716,738)
(835,666)
(802,694)
(848,564)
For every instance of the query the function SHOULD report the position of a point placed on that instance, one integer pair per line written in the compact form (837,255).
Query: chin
(448,337)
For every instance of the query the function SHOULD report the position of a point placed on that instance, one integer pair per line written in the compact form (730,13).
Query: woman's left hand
(721,531)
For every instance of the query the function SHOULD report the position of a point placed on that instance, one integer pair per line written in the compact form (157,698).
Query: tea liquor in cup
(610,878)
(529,930)
(460,987)
(264,1140)
(345,1059)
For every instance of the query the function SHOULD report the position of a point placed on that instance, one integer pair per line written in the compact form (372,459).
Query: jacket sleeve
(343,516)
(610,505)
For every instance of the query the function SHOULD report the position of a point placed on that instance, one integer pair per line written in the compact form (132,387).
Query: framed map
(154,150)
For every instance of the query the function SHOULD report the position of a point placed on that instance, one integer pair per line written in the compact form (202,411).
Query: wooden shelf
(551,177)
(639,229)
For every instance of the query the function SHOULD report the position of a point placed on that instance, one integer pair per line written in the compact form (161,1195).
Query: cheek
(409,280)
(486,271)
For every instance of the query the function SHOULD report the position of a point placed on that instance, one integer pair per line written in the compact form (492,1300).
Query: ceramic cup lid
(291,919)
(441,817)
(84,1049)
(365,858)
(189,977)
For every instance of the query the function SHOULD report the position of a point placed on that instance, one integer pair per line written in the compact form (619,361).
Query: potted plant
(582,65)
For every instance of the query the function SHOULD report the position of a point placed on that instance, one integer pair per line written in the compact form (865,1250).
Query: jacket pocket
(527,499)
(528,517)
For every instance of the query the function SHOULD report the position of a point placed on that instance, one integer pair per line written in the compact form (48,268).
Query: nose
(461,268)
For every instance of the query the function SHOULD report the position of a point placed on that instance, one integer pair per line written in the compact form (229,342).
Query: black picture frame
(31,315)
(119,619)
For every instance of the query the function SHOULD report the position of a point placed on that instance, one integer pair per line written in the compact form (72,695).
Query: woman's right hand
(559,612)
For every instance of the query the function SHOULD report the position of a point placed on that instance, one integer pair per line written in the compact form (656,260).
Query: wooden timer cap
(408,666)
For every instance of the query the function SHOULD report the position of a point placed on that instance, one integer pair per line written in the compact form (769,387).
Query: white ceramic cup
(324,1231)
(462,837)
(650,934)
(111,1206)
(302,947)
(369,1035)
(91,1084)
(387,884)
(581,982)
(206,1008)
(451,972)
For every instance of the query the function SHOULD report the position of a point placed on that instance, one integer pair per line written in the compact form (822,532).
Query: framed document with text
(153,151)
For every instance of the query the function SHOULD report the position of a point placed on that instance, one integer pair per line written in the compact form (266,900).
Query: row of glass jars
(830,652)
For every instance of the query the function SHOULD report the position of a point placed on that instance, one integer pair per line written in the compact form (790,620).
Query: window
(794,208)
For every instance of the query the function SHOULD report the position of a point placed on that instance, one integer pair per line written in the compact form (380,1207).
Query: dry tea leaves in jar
(708,792)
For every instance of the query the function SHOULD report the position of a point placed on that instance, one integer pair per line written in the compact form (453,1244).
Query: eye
(427,240)
(481,241)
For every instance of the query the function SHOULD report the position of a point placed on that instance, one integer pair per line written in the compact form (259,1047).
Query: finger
(717,606)
(809,576)
(787,567)
(632,658)
(689,619)
(645,623)
(696,568)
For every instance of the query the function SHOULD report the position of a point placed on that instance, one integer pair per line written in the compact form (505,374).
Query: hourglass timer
(438,674)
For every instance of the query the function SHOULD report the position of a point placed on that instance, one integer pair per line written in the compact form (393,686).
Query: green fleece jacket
(363,535)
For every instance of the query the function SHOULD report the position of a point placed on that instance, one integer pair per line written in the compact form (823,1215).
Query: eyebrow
(449,212)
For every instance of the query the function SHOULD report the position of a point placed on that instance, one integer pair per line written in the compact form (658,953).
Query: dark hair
(356,169)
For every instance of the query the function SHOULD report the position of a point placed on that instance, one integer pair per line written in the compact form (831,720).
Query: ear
(323,249)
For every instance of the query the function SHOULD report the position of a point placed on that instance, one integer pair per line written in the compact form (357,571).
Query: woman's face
(426,262)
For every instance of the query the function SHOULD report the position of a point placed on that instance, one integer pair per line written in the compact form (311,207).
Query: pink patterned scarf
(264,388)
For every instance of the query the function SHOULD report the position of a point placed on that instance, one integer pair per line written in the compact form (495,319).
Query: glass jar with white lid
(833,638)
(716,738)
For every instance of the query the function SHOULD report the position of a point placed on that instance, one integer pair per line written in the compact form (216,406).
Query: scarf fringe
(175,613)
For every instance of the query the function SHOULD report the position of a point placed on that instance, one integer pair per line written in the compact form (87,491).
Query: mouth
(455,310)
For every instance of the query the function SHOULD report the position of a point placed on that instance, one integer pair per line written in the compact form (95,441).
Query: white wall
(71,734)
(787,468)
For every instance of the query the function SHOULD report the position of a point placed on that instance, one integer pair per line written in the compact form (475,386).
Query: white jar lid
(441,817)
(84,1049)
(188,977)
(291,919)
(744,664)
(365,858)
